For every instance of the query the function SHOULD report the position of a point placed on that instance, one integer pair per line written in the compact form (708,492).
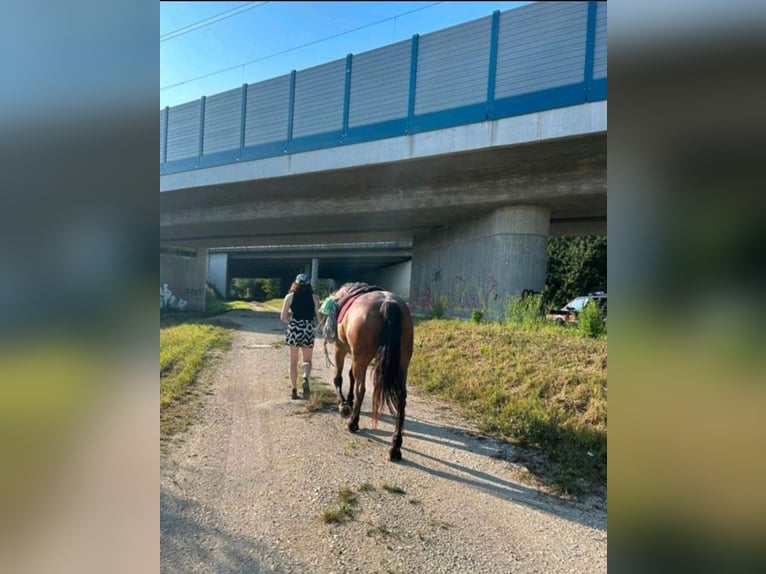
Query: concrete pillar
(478,263)
(217,273)
(182,279)
(314,273)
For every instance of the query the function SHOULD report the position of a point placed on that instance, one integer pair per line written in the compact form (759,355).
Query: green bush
(477,316)
(591,322)
(525,311)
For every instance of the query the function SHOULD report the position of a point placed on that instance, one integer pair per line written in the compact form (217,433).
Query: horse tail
(390,383)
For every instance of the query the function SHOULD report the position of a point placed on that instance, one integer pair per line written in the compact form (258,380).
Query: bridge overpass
(473,143)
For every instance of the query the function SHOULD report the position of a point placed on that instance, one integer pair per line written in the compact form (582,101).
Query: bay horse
(375,324)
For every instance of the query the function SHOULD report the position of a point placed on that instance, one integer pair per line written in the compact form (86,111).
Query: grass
(183,350)
(543,388)
(275,304)
(322,399)
(217,306)
(393,489)
(343,513)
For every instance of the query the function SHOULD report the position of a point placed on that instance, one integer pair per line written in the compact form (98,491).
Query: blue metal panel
(378,131)
(243,119)
(201,125)
(316,141)
(598,90)
(539,101)
(449,118)
(492,74)
(177,165)
(413,79)
(261,151)
(165,143)
(347,93)
(291,111)
(219,158)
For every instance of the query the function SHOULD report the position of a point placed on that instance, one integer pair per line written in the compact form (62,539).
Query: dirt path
(245,488)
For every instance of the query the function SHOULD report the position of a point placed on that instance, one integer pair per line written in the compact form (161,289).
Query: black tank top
(303,305)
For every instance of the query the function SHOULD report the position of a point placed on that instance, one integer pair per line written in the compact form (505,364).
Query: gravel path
(245,488)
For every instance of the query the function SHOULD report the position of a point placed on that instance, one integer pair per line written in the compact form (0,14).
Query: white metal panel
(223,113)
(319,94)
(380,84)
(453,66)
(267,111)
(183,131)
(541,46)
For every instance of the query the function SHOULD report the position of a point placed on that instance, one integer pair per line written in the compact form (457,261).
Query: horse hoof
(353,427)
(345,410)
(395,455)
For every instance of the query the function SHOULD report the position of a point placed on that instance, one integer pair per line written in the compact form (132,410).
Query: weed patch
(345,511)
(543,388)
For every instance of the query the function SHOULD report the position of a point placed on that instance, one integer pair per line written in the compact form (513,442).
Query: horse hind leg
(359,377)
(395,454)
(345,408)
(340,357)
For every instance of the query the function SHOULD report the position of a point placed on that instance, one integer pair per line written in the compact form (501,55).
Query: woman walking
(299,312)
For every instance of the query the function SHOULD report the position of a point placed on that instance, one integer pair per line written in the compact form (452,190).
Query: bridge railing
(538,57)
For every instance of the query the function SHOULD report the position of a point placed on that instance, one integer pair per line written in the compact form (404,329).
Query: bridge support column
(314,273)
(182,279)
(477,264)
(217,273)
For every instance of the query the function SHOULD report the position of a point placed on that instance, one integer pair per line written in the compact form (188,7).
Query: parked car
(569,312)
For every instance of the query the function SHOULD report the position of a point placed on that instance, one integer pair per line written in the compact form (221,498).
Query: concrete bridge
(473,144)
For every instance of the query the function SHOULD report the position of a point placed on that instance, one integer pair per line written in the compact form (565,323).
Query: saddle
(337,308)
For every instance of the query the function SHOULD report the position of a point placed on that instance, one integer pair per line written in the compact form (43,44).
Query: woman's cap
(301,279)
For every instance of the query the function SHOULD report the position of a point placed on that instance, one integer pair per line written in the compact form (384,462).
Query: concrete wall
(182,279)
(217,273)
(479,263)
(396,278)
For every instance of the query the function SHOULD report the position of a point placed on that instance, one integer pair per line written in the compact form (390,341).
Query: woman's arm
(284,315)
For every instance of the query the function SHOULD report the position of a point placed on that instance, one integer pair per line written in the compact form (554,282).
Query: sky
(249,35)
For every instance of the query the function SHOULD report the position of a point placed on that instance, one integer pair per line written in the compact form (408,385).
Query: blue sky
(271,27)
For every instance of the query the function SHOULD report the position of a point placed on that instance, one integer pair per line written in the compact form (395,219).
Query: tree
(576,266)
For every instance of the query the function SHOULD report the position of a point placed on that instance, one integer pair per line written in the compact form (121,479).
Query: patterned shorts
(300,333)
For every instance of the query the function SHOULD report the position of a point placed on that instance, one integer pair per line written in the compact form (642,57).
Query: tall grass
(543,388)
(183,349)
(525,311)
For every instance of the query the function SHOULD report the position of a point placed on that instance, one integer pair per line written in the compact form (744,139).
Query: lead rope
(328,362)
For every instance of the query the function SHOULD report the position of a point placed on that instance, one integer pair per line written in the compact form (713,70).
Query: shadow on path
(452,438)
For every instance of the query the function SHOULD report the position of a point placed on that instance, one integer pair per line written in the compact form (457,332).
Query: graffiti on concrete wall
(461,295)
(168,301)
(467,295)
